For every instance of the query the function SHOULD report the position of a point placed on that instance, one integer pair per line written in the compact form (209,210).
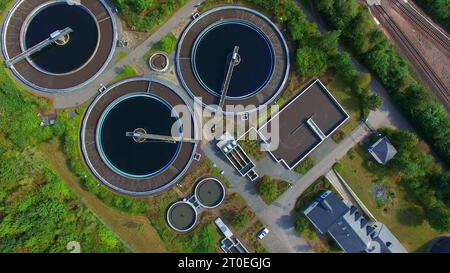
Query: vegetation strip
(371,46)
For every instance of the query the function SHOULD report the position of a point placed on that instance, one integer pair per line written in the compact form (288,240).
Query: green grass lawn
(350,103)
(127,72)
(402,214)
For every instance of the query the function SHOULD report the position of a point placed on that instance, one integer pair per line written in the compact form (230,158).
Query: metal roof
(383,151)
(349,228)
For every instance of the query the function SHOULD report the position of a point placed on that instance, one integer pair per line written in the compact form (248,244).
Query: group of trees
(145,15)
(439,10)
(369,44)
(425,179)
(38,213)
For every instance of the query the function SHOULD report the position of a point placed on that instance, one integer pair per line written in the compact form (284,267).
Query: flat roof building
(304,123)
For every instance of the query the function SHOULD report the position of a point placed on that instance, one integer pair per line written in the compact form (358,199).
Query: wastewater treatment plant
(214,125)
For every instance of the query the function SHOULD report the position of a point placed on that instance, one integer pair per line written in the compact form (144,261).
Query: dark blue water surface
(212,54)
(83,41)
(124,154)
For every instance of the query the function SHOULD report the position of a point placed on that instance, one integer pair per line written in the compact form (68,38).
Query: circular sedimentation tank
(212,51)
(134,139)
(137,157)
(210,193)
(159,62)
(205,53)
(73,60)
(182,216)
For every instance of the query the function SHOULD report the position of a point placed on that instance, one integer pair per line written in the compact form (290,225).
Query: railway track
(434,79)
(441,38)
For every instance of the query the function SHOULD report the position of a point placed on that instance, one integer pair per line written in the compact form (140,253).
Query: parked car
(263,233)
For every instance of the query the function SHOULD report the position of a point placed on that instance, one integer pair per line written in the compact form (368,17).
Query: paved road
(287,201)
(278,217)
(247,190)
(77,98)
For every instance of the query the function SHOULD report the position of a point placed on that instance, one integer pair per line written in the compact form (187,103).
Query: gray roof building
(383,151)
(349,228)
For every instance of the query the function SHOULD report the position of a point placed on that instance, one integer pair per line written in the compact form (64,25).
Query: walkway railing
(54,37)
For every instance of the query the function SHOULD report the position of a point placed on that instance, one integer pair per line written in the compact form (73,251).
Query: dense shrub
(240,220)
(305,165)
(19,119)
(338,167)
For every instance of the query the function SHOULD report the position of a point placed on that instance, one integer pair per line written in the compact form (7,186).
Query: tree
(300,29)
(441,183)
(301,224)
(310,61)
(268,188)
(416,98)
(439,216)
(373,102)
(325,6)
(344,67)
(329,42)
(344,12)
(361,28)
(136,5)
